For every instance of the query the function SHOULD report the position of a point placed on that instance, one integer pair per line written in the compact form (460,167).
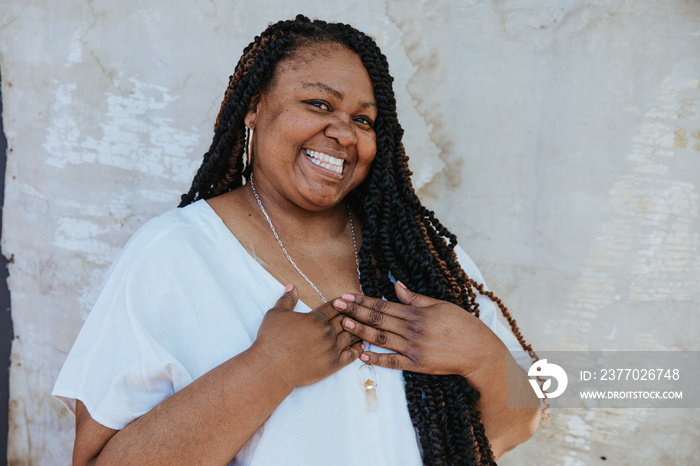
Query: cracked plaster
(560,140)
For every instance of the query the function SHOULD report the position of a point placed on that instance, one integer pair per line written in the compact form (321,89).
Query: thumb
(287,301)
(409,297)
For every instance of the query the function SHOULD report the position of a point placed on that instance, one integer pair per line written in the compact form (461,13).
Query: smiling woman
(383,348)
(317,114)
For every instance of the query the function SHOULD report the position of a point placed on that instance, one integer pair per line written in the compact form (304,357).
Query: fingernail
(364,357)
(401,284)
(364,347)
(340,304)
(349,324)
(348,297)
(288,288)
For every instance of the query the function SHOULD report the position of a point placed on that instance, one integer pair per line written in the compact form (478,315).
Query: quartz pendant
(371,394)
(367,377)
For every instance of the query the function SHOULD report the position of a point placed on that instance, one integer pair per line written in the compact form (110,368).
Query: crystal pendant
(371,395)
(367,373)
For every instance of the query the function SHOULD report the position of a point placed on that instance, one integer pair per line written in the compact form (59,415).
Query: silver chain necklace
(365,372)
(289,258)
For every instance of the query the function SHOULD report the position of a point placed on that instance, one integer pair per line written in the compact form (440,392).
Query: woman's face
(314,139)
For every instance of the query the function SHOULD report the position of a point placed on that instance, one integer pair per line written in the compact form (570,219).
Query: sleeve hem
(69,401)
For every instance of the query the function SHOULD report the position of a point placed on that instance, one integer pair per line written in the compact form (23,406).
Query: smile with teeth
(326,161)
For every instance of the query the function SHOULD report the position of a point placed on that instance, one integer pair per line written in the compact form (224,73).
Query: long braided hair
(399,234)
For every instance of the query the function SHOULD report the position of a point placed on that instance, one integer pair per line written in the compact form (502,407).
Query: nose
(342,130)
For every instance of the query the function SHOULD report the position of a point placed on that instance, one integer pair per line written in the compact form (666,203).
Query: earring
(249,145)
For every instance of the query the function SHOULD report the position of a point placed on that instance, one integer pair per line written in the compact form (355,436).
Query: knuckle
(414,355)
(286,301)
(351,351)
(415,326)
(359,300)
(379,305)
(393,361)
(381,337)
(318,317)
(376,318)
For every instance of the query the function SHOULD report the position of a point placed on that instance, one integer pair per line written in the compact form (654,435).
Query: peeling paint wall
(560,140)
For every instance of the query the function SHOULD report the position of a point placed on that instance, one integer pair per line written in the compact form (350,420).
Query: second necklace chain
(366,375)
(289,258)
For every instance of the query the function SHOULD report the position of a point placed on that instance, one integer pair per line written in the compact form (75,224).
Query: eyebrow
(335,93)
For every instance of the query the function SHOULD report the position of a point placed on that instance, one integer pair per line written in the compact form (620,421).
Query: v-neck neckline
(218,221)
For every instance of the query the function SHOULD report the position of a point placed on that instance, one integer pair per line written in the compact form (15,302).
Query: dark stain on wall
(6,334)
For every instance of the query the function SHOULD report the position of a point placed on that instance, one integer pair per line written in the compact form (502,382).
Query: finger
(327,311)
(336,323)
(388,360)
(397,310)
(411,298)
(350,354)
(376,318)
(346,339)
(288,301)
(375,336)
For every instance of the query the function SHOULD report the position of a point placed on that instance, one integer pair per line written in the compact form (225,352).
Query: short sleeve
(488,312)
(117,367)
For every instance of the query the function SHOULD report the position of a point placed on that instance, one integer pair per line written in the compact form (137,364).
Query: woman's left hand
(429,336)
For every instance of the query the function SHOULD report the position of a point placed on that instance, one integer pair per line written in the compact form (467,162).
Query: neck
(306,226)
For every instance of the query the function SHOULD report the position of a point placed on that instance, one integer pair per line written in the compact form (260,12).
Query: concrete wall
(559,139)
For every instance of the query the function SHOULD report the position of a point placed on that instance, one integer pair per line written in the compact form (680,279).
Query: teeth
(326,161)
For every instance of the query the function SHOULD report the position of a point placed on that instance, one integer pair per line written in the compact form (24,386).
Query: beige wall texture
(560,140)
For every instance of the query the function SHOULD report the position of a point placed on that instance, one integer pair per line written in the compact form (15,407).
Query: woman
(187,358)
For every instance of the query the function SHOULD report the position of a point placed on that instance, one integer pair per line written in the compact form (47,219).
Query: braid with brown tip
(399,235)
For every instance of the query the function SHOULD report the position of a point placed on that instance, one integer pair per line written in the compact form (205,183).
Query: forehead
(331,64)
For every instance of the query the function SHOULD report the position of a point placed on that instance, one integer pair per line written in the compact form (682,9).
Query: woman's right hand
(292,350)
(312,345)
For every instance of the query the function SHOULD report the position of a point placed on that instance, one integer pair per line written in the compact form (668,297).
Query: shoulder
(174,242)
(176,229)
(488,311)
(174,224)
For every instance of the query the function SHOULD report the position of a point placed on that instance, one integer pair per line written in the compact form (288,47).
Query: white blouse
(185,296)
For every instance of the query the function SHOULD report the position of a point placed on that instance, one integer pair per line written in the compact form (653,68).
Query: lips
(326,161)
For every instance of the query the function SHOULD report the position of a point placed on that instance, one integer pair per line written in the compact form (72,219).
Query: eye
(318,104)
(365,121)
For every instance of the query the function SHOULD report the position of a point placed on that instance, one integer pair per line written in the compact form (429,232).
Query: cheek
(290,129)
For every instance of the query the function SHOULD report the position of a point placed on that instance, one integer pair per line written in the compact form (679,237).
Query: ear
(252,115)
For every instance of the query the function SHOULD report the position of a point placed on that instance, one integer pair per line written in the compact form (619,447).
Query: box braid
(399,235)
